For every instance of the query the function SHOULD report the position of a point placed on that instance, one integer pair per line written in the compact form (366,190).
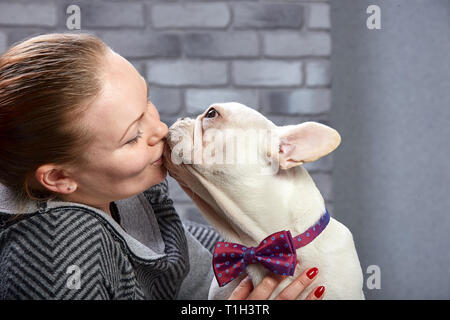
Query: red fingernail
(312,272)
(319,291)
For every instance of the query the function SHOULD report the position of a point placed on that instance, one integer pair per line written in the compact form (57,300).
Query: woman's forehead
(121,100)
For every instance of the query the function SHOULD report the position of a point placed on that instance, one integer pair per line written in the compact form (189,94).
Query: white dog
(253,190)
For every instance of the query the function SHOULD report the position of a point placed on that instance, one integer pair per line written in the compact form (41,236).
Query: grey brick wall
(272,55)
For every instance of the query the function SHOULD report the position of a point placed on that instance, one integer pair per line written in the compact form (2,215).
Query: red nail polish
(312,272)
(319,291)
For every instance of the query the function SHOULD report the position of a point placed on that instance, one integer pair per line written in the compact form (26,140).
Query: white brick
(27,14)
(284,120)
(143,43)
(184,73)
(319,16)
(301,101)
(197,100)
(221,45)
(191,15)
(295,44)
(267,15)
(167,101)
(122,14)
(267,73)
(318,73)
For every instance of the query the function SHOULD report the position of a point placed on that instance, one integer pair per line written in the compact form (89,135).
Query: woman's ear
(305,142)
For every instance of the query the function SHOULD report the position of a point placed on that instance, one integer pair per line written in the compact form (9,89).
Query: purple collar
(309,235)
(277,253)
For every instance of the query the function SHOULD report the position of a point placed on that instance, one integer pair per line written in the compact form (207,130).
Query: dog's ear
(305,142)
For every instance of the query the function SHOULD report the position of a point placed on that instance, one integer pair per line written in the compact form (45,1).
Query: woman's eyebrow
(139,118)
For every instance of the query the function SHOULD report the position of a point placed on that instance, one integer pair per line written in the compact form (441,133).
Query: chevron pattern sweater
(61,250)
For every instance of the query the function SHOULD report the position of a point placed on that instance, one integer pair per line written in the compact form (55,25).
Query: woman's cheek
(135,163)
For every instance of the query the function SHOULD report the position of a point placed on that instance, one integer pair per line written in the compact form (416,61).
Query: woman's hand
(265,288)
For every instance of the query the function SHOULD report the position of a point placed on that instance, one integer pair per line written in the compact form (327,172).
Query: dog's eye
(211,113)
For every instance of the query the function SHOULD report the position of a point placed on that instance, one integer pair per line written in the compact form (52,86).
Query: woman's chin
(159,174)
(155,175)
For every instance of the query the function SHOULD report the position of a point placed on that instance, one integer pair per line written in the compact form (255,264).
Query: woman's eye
(135,140)
(211,113)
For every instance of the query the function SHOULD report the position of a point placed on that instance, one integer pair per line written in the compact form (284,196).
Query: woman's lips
(158,162)
(160,159)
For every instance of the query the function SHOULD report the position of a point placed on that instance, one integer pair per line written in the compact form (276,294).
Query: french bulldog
(245,175)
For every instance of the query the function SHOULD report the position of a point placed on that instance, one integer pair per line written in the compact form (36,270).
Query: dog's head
(230,157)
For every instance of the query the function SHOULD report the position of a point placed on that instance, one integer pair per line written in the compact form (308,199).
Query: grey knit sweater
(65,250)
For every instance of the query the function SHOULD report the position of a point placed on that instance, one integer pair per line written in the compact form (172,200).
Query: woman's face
(123,160)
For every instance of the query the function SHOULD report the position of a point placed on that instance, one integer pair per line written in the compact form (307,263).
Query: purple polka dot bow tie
(277,253)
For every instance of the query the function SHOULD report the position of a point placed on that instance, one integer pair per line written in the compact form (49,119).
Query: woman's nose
(158,133)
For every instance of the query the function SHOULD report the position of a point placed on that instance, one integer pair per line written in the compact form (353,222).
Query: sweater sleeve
(197,283)
(207,235)
(200,240)
(158,196)
(62,256)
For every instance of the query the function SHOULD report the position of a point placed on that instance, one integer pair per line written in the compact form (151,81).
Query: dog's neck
(293,204)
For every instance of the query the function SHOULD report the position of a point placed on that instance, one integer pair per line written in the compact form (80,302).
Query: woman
(84,209)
